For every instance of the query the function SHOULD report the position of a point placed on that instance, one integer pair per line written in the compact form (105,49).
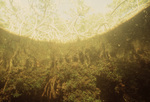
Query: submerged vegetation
(112,67)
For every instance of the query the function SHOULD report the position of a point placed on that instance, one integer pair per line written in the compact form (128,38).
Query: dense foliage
(113,67)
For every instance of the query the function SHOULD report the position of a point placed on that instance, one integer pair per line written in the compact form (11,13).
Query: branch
(118,7)
(10,67)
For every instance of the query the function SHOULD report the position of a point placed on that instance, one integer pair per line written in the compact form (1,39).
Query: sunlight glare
(96,6)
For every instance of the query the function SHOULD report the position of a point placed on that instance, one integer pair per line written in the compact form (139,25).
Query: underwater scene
(86,59)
